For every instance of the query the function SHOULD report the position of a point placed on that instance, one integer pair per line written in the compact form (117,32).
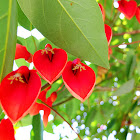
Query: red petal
(102,10)
(53,96)
(34,110)
(47,111)
(128,8)
(21,52)
(18,97)
(50,70)
(108,32)
(138,14)
(109,53)
(6,130)
(81,84)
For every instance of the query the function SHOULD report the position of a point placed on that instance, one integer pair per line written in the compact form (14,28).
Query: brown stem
(120,61)
(71,97)
(132,32)
(41,102)
(125,44)
(60,87)
(105,88)
(104,3)
(45,86)
(112,9)
(115,18)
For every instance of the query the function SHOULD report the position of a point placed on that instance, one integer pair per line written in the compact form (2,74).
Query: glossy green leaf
(30,43)
(23,20)
(125,88)
(138,68)
(37,130)
(27,120)
(22,62)
(8,28)
(72,107)
(75,26)
(49,128)
(90,116)
(130,63)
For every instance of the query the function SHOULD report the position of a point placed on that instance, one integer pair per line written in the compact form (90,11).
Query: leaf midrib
(7,35)
(79,29)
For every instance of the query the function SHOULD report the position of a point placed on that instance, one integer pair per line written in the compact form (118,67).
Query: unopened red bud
(53,96)
(21,52)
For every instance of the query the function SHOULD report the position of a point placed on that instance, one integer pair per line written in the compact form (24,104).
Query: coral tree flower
(79,79)
(108,32)
(50,63)
(138,14)
(128,8)
(21,52)
(6,130)
(18,91)
(34,110)
(103,11)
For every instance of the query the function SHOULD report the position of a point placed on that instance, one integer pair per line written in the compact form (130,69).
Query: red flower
(108,32)
(79,79)
(6,130)
(50,63)
(109,52)
(21,52)
(138,14)
(18,91)
(34,110)
(128,8)
(102,10)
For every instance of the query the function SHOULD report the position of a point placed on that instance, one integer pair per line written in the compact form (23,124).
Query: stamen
(79,66)
(16,77)
(46,50)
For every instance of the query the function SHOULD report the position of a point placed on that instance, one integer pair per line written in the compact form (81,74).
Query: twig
(45,86)
(41,102)
(132,32)
(71,97)
(105,88)
(125,44)
(112,9)
(120,61)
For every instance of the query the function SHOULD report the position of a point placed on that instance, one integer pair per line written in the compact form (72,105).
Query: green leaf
(125,88)
(90,116)
(8,28)
(138,68)
(37,130)
(75,26)
(111,123)
(72,107)
(23,20)
(130,63)
(49,128)
(22,62)
(27,120)
(30,43)
(54,87)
